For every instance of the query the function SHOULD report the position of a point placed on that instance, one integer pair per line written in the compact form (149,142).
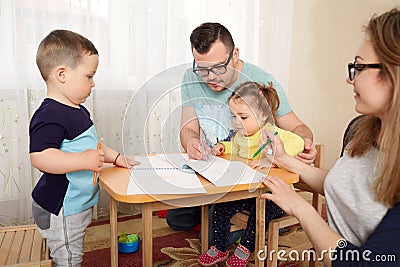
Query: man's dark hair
(205,35)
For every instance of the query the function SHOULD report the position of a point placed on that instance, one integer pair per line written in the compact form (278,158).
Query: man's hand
(309,153)
(195,150)
(291,122)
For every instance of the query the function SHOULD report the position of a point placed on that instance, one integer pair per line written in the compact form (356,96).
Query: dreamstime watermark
(351,255)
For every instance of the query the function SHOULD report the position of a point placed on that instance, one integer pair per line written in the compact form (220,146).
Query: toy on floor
(128,243)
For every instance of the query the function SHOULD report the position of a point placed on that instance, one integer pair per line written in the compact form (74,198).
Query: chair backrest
(320,158)
(349,133)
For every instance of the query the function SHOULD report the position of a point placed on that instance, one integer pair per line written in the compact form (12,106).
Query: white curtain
(144,49)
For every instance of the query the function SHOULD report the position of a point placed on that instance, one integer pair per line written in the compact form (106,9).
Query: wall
(326,35)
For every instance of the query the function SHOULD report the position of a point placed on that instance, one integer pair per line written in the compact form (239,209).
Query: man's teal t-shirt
(212,108)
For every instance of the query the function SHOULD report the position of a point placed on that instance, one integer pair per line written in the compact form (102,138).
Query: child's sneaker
(240,258)
(212,256)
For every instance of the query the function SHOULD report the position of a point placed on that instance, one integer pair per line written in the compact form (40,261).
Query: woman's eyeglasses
(217,69)
(353,67)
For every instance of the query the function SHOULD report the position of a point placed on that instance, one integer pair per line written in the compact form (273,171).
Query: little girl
(250,105)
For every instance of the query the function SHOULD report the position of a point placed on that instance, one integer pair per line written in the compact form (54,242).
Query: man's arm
(190,128)
(291,122)
(190,133)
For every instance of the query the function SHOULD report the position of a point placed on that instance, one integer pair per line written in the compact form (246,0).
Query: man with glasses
(205,90)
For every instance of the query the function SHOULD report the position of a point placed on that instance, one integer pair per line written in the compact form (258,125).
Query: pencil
(204,149)
(263,146)
(95,173)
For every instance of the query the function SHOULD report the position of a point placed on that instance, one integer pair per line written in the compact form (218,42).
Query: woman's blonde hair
(384,35)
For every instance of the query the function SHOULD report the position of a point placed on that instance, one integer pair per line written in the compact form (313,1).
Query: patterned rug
(170,248)
(187,256)
(97,241)
(101,257)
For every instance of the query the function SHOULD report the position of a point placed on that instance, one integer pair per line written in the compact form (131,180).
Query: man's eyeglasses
(217,69)
(353,67)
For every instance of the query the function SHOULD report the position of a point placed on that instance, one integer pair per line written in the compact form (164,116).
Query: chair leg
(273,236)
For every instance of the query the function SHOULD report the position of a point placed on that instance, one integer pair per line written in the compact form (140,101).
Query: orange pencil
(95,173)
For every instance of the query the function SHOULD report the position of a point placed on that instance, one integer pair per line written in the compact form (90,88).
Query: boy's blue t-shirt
(55,125)
(212,108)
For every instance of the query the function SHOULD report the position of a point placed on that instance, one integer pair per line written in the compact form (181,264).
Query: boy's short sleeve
(47,128)
(45,135)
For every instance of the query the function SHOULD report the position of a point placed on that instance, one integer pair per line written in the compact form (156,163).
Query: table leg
(260,229)
(114,230)
(204,228)
(147,244)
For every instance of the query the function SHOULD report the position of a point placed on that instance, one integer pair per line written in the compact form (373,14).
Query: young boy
(65,147)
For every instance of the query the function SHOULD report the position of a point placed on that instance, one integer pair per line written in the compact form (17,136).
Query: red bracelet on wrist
(115,160)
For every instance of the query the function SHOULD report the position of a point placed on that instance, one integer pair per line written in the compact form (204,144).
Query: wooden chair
(22,246)
(239,221)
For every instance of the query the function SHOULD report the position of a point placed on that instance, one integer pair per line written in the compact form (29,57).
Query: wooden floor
(23,246)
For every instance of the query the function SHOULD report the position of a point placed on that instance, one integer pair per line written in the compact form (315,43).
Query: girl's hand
(283,195)
(218,149)
(126,162)
(94,159)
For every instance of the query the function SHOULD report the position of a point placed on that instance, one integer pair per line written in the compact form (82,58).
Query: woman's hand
(274,151)
(284,196)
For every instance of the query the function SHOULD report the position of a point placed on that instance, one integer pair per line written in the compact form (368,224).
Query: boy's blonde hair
(62,47)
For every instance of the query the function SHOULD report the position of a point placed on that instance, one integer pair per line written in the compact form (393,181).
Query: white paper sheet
(219,171)
(158,175)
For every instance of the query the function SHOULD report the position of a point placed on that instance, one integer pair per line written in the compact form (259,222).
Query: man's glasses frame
(353,67)
(204,72)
